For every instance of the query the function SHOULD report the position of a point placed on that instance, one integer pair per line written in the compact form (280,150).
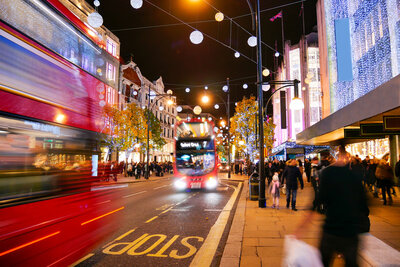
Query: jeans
(331,244)
(293,193)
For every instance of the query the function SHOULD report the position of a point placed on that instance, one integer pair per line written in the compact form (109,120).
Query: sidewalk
(264,229)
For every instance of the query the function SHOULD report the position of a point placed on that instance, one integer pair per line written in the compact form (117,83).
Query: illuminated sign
(193,145)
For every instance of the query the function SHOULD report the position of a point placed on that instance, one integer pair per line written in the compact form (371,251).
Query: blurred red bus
(53,85)
(195,155)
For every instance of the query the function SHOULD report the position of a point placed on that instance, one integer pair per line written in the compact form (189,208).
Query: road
(162,227)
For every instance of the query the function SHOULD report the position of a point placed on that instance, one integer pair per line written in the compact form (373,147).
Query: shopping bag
(300,254)
(283,189)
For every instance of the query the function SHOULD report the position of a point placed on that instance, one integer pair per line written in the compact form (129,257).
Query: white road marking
(108,187)
(135,194)
(179,209)
(104,202)
(155,188)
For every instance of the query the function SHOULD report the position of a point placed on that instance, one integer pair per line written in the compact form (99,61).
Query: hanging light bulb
(296,104)
(206,87)
(245,86)
(136,4)
(225,88)
(187,90)
(216,106)
(178,108)
(237,54)
(96,3)
(265,72)
(95,19)
(252,41)
(196,37)
(219,17)
(276,54)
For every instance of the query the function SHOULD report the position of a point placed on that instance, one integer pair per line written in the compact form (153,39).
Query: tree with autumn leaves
(126,129)
(243,129)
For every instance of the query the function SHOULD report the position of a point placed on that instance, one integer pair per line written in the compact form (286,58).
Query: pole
(283,41)
(229,128)
(148,136)
(261,198)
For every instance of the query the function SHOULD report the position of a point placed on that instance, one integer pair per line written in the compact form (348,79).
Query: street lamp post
(261,170)
(229,128)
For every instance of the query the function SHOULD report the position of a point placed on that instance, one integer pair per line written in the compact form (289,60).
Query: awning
(364,119)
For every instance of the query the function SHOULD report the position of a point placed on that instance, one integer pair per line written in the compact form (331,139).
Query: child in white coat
(274,190)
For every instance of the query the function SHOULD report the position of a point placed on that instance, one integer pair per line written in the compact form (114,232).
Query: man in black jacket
(291,174)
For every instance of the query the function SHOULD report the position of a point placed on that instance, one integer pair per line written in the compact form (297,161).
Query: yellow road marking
(120,237)
(152,219)
(82,259)
(207,251)
(166,210)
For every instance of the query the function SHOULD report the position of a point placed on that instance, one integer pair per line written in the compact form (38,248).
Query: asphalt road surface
(162,227)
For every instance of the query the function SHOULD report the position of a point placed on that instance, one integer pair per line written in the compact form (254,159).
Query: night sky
(167,51)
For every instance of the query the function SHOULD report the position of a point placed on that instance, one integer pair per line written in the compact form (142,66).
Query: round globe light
(216,106)
(206,87)
(225,88)
(102,103)
(245,86)
(135,92)
(209,118)
(216,129)
(307,80)
(143,107)
(277,54)
(220,118)
(265,72)
(136,4)
(169,92)
(252,41)
(237,54)
(219,17)
(95,19)
(296,104)
(197,110)
(179,109)
(266,87)
(196,37)
(96,3)
(187,90)
(161,108)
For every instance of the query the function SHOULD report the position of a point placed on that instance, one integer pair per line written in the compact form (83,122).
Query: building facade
(301,62)
(136,88)
(359,45)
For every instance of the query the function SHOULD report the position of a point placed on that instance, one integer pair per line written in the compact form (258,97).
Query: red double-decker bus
(195,162)
(53,84)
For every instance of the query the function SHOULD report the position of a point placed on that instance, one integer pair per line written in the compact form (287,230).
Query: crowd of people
(110,170)
(376,175)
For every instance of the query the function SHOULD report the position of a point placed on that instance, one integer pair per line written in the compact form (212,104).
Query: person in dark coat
(291,174)
(384,174)
(307,169)
(397,168)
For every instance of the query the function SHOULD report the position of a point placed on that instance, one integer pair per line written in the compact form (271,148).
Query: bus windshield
(195,150)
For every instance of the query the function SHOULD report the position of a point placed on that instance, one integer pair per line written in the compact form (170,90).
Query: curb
(233,246)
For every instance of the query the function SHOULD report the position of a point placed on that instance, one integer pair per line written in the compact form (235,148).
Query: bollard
(253,186)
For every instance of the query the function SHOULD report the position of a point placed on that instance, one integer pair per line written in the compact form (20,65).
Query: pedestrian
(307,169)
(397,169)
(291,175)
(384,174)
(346,212)
(315,182)
(274,191)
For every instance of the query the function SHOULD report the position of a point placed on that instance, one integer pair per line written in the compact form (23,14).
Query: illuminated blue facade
(363,44)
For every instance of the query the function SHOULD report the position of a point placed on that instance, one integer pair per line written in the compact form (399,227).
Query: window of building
(110,95)
(111,47)
(110,72)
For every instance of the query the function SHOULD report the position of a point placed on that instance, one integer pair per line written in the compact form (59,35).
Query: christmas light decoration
(187,90)
(237,54)
(219,17)
(179,109)
(245,86)
(136,4)
(252,41)
(95,19)
(225,88)
(196,37)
